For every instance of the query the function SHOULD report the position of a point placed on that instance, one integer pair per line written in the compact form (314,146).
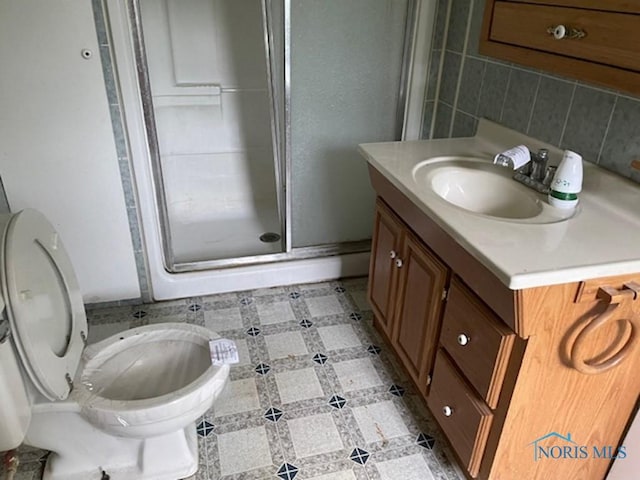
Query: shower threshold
(301,253)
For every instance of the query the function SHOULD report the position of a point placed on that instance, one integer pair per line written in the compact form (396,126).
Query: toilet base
(168,457)
(89,452)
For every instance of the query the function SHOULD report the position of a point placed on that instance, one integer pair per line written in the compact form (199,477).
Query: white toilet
(125,407)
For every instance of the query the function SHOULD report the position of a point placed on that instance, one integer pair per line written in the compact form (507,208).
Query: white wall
(57,151)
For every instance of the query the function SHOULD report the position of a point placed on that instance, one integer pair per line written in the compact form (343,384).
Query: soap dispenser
(567,182)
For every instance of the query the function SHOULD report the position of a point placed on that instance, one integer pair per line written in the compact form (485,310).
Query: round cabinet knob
(398,263)
(393,254)
(559,32)
(463,339)
(448,411)
(562,32)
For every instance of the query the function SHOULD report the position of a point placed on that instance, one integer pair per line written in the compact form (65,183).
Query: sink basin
(471,187)
(480,187)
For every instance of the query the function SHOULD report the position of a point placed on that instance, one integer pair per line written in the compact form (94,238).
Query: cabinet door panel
(421,285)
(387,237)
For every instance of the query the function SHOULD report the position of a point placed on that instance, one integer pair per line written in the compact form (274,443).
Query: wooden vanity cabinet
(409,287)
(600,44)
(406,290)
(507,367)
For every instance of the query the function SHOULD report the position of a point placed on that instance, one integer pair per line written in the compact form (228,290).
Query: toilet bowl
(149,380)
(125,406)
(132,408)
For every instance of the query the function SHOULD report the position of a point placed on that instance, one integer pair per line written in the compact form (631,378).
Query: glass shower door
(346,75)
(209,78)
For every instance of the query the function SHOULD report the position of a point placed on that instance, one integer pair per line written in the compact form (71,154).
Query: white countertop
(602,239)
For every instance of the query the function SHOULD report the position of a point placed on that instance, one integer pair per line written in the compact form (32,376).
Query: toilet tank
(15,407)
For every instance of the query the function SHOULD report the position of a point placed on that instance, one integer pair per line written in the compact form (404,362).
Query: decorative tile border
(122,149)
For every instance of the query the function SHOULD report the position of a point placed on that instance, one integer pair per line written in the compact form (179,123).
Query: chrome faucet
(535,173)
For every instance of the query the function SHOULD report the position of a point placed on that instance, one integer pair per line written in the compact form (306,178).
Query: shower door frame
(144,85)
(348,258)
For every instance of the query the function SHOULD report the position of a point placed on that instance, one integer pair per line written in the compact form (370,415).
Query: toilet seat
(43,303)
(178,384)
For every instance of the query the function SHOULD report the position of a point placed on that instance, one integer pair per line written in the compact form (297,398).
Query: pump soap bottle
(567,182)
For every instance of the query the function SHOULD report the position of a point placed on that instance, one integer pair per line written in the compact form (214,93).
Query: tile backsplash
(464,86)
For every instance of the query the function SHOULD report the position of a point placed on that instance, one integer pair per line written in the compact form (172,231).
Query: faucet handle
(543,154)
(539,161)
(548,175)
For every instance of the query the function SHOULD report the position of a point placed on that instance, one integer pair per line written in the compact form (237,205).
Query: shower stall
(243,119)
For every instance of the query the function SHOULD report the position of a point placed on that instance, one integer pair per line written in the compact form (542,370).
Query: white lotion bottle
(567,182)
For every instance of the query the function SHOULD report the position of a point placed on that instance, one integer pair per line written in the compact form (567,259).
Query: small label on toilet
(223,351)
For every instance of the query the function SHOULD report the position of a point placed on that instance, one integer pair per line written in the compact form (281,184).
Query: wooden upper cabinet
(629,6)
(601,43)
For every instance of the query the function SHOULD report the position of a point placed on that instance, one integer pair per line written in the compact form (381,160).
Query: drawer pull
(561,32)
(621,302)
(393,254)
(398,262)
(447,410)
(463,339)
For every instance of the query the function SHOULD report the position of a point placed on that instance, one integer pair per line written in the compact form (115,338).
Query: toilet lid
(44,304)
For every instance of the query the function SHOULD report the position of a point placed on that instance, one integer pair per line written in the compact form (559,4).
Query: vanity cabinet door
(383,272)
(421,292)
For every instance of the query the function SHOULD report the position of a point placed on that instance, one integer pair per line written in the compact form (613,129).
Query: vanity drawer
(477,340)
(463,416)
(610,38)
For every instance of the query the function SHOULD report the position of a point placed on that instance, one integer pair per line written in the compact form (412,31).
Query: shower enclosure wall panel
(211,105)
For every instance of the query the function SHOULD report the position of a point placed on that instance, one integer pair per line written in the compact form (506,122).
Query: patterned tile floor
(316,394)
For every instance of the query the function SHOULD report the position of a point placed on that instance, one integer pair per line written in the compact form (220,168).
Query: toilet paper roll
(515,157)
